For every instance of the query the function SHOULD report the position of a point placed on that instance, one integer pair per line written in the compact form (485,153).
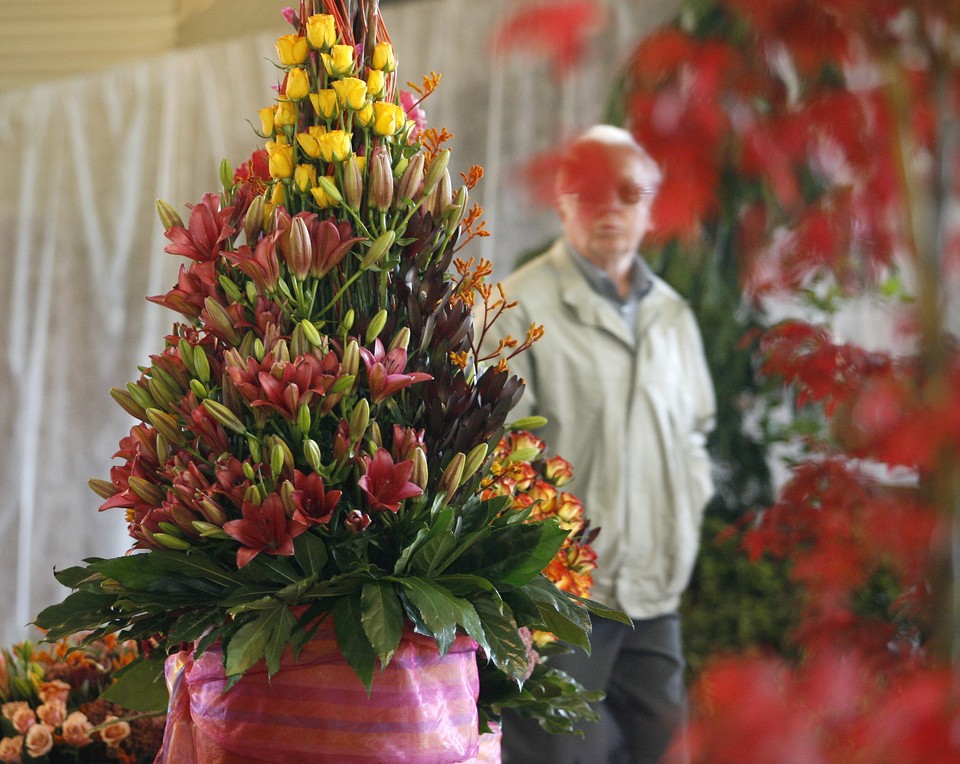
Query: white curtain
(85,158)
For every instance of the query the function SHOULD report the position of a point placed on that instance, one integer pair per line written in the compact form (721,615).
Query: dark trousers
(641,670)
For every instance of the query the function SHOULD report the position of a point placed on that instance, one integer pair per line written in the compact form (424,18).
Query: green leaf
(559,613)
(513,554)
(382,617)
(79,611)
(191,625)
(265,567)
(352,638)
(194,564)
(436,607)
(310,553)
(140,686)
(507,650)
(251,641)
(75,576)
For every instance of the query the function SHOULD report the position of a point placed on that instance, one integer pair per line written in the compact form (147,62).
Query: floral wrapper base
(422,708)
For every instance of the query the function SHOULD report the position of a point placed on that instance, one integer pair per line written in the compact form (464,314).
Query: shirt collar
(640,279)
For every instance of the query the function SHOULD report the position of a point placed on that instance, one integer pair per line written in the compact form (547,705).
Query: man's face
(605,208)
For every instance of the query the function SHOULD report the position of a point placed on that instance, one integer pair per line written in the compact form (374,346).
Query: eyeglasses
(628,194)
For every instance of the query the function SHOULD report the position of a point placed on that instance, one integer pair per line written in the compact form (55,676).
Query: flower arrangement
(53,709)
(312,442)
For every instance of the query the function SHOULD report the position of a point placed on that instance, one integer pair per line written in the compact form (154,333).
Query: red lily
(263,529)
(261,264)
(314,504)
(208,229)
(385,372)
(386,484)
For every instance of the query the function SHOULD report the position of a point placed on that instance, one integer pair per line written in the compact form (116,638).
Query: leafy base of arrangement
(316,438)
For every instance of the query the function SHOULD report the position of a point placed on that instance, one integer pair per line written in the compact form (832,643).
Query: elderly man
(621,377)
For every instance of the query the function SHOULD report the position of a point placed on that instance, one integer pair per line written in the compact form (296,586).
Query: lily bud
(253,221)
(350,363)
(452,475)
(209,530)
(196,386)
(303,419)
(229,288)
(439,199)
(253,444)
(141,396)
(421,473)
(128,404)
(224,416)
(409,186)
(359,419)
(220,320)
(454,213)
(375,437)
(325,183)
(212,512)
(311,333)
(527,423)
(376,325)
(311,452)
(103,488)
(166,425)
(437,167)
(401,339)
(344,382)
(276,460)
(347,323)
(278,444)
(475,458)
(299,251)
(202,363)
(249,474)
(149,492)
(226,174)
(352,182)
(378,249)
(168,215)
(170,541)
(380,194)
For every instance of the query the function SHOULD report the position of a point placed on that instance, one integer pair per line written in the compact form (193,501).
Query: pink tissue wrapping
(422,709)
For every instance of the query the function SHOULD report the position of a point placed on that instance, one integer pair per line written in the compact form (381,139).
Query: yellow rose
(336,145)
(305,177)
(325,103)
(339,61)
(375,82)
(384,57)
(388,118)
(321,31)
(292,49)
(298,84)
(286,114)
(364,116)
(310,141)
(280,159)
(320,196)
(266,120)
(277,198)
(351,92)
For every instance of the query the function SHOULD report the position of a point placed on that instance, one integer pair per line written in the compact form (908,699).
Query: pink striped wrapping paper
(422,709)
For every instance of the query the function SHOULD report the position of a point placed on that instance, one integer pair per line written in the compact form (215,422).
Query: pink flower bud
(381,180)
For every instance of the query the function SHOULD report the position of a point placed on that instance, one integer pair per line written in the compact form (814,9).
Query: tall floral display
(308,482)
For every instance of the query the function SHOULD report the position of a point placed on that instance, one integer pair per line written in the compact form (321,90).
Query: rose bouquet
(312,441)
(54,708)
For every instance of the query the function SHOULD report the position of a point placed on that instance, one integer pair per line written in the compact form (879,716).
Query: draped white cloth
(81,244)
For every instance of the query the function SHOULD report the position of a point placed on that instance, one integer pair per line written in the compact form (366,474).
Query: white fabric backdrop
(81,246)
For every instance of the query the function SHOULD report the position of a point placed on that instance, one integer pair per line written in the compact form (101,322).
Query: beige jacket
(631,417)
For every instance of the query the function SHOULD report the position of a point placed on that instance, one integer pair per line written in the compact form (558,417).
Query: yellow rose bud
(339,61)
(278,198)
(292,49)
(321,195)
(286,113)
(305,177)
(335,146)
(384,58)
(388,118)
(298,84)
(376,80)
(280,156)
(364,116)
(309,141)
(351,92)
(266,120)
(321,31)
(325,103)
